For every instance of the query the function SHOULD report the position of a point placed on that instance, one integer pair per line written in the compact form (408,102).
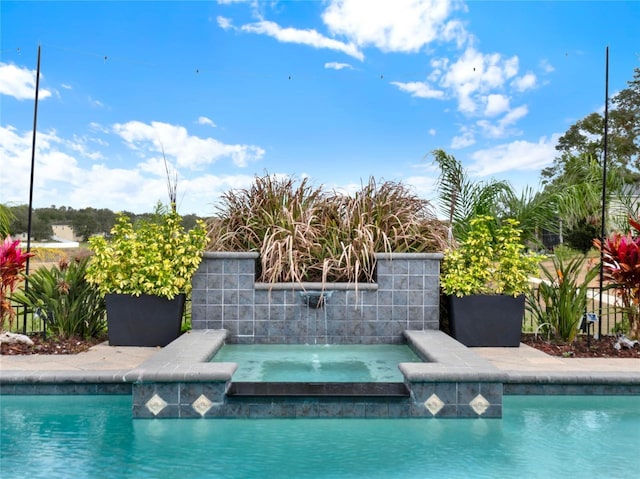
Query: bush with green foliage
(306,234)
(560,301)
(581,236)
(154,256)
(69,304)
(490,260)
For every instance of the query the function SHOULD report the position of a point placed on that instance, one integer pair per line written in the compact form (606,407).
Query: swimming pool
(317,363)
(539,436)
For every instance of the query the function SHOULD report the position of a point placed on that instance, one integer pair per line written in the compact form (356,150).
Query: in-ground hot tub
(373,363)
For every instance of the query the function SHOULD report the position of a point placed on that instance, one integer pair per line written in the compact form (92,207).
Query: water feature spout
(315,299)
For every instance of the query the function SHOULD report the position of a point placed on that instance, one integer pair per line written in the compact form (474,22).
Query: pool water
(316,363)
(539,436)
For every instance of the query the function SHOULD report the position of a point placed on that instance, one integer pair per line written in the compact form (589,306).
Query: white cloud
(419,89)
(305,37)
(337,66)
(398,26)
(517,155)
(95,126)
(545,66)
(524,82)
(204,191)
(189,151)
(95,103)
(501,128)
(80,145)
(423,186)
(61,178)
(66,87)
(20,83)
(224,23)
(496,104)
(454,31)
(465,139)
(474,74)
(476,80)
(203,120)
(514,115)
(432,131)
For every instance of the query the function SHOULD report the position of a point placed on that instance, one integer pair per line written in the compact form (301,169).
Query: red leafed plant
(12,263)
(621,265)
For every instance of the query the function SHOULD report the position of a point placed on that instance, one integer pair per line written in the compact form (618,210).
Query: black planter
(144,320)
(486,320)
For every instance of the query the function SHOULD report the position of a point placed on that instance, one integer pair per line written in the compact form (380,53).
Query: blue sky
(336,90)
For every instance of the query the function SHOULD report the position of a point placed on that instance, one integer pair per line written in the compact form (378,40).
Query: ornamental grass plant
(304,233)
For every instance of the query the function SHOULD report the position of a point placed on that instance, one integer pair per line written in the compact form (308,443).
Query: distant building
(64,233)
(21,236)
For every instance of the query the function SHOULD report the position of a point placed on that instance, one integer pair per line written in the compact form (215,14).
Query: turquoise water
(539,437)
(317,363)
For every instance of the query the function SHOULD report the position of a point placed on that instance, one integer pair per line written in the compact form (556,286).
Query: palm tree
(5,220)
(462,199)
(579,191)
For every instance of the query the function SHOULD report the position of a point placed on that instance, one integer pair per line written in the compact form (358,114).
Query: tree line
(84,221)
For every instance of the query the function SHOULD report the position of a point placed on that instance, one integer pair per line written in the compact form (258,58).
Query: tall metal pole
(604,184)
(33,158)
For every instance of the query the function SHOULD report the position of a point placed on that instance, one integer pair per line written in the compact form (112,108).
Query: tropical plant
(305,234)
(560,301)
(68,303)
(13,262)
(155,256)
(490,260)
(461,199)
(6,216)
(621,268)
(533,210)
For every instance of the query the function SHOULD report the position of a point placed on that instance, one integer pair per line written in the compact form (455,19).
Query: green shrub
(155,256)
(581,236)
(490,260)
(71,306)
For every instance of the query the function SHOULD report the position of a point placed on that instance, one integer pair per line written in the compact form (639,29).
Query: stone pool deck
(176,381)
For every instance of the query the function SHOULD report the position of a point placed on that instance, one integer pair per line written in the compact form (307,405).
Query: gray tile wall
(181,400)
(405,296)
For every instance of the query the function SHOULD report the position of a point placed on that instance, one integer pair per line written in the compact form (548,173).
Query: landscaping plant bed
(581,347)
(50,345)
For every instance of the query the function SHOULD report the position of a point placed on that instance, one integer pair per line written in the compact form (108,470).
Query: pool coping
(186,360)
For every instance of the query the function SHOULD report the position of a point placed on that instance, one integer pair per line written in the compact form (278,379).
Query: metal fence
(606,317)
(26,322)
(609,317)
